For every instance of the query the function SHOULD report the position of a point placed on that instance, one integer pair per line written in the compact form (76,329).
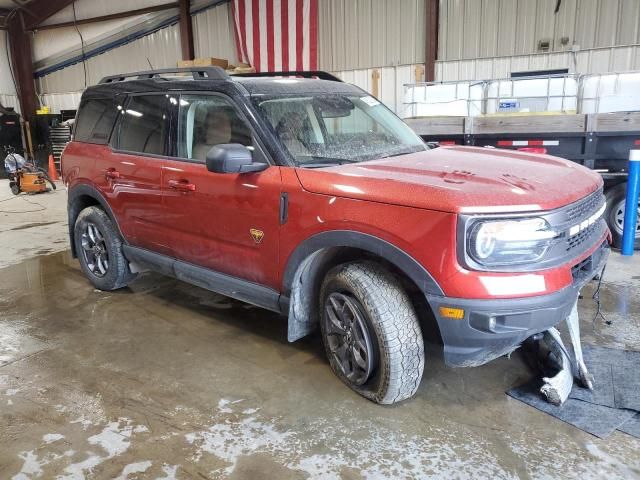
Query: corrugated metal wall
(48,43)
(213,33)
(494,28)
(161,49)
(600,60)
(356,34)
(6,82)
(390,83)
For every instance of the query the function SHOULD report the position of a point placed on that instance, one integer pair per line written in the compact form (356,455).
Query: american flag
(277,35)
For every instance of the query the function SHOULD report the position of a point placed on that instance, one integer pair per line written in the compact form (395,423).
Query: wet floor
(165,380)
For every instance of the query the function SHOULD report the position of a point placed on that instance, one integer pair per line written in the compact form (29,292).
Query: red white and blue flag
(276,35)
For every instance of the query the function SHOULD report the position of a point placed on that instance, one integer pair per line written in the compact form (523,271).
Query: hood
(459,180)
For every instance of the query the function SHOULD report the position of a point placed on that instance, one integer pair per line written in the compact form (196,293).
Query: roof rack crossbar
(296,73)
(198,73)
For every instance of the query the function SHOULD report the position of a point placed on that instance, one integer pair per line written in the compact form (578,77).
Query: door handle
(112,174)
(182,185)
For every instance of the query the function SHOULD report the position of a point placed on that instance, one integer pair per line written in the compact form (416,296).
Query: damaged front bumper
(493,328)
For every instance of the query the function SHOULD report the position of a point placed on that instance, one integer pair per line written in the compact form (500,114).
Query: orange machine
(29,182)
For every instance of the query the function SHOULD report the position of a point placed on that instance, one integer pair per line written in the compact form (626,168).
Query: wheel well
(304,313)
(78,204)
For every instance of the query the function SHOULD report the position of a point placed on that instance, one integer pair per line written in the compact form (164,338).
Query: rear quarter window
(95,121)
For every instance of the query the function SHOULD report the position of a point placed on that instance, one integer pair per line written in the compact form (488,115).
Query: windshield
(330,129)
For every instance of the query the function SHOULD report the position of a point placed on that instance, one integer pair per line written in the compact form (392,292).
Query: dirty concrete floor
(32,224)
(165,380)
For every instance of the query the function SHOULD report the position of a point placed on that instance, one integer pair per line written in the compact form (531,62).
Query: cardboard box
(185,63)
(210,62)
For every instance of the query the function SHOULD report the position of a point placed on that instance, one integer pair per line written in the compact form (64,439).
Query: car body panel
(229,223)
(459,180)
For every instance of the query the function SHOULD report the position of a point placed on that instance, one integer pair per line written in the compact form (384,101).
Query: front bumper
(492,328)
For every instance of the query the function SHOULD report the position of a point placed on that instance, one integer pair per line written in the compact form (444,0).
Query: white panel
(525,39)
(472,24)
(545,20)
(47,43)
(507,27)
(586,17)
(161,49)
(455,34)
(7,86)
(565,24)
(629,23)
(467,69)
(520,63)
(489,31)
(489,28)
(370,33)
(607,22)
(93,8)
(10,101)
(600,61)
(213,33)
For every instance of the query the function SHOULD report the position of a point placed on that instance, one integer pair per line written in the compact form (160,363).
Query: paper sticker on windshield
(372,102)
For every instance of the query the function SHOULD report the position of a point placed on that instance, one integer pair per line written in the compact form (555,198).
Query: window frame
(83,103)
(115,132)
(174,112)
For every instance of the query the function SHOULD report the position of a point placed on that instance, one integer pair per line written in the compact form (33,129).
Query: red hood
(460,180)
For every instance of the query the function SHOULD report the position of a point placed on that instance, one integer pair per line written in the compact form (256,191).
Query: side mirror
(232,158)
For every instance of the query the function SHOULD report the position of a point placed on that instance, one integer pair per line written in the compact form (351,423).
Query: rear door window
(95,120)
(143,125)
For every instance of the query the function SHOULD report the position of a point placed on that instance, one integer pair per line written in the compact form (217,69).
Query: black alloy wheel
(94,250)
(348,337)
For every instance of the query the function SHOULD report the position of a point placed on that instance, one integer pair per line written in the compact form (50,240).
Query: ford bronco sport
(304,195)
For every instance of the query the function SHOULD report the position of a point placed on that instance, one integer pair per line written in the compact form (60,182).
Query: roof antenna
(149,62)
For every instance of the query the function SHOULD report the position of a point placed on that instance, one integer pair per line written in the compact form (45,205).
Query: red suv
(306,196)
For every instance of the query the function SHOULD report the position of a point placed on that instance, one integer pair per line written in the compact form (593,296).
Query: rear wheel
(99,248)
(371,333)
(616,199)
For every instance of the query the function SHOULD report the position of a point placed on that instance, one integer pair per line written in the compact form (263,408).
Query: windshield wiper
(402,152)
(325,161)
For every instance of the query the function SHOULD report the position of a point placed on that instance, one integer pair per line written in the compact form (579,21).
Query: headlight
(507,242)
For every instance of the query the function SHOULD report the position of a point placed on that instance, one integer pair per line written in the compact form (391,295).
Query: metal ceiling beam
(431,34)
(22,63)
(186,30)
(39,10)
(113,16)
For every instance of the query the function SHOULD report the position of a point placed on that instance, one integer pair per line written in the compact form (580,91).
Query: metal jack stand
(556,389)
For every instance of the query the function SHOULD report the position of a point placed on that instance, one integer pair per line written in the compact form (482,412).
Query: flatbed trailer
(599,141)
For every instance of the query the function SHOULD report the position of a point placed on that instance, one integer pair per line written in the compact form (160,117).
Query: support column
(186,31)
(22,64)
(431,34)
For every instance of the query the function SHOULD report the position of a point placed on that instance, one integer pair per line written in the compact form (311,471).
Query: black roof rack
(297,73)
(198,73)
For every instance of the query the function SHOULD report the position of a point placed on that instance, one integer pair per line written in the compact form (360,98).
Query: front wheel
(371,333)
(614,214)
(99,248)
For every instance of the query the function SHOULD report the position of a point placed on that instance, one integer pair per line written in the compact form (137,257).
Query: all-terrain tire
(615,196)
(393,324)
(117,274)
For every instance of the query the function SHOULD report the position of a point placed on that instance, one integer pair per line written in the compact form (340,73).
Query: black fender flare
(300,275)
(350,238)
(73,211)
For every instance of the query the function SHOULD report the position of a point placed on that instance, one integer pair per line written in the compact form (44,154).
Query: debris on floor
(614,403)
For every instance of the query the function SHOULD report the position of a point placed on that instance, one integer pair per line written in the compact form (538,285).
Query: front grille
(579,238)
(583,208)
